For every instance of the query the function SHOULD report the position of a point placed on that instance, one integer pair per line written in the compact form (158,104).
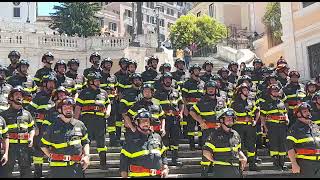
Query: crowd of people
(55,115)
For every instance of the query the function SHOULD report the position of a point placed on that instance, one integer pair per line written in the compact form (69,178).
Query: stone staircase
(190,159)
(218,62)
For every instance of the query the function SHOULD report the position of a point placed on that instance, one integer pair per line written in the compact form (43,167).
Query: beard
(68,115)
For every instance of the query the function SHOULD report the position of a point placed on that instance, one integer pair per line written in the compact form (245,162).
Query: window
(148,18)
(150,5)
(168,10)
(16,12)
(153,20)
(314,57)
(129,29)
(169,24)
(172,12)
(161,22)
(112,26)
(128,13)
(305,4)
(211,10)
(199,14)
(162,9)
(180,3)
(101,22)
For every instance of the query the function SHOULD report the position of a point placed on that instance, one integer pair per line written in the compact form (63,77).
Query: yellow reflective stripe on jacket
(46,122)
(57,164)
(31,89)
(119,123)
(24,125)
(107,85)
(158,115)
(317,121)
(111,129)
(149,82)
(102,149)
(22,141)
(143,174)
(226,149)
(133,113)
(173,147)
(141,153)
(282,153)
(275,121)
(85,137)
(96,113)
(197,133)
(312,158)
(185,90)
(303,140)
(2,131)
(205,163)
(157,101)
(300,95)
(124,86)
(37,160)
(92,101)
(127,102)
(203,113)
(225,163)
(183,123)
(250,154)
(196,91)
(274,153)
(44,141)
(38,107)
(274,111)
(36,79)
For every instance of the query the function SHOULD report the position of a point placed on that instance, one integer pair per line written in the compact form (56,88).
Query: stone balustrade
(58,42)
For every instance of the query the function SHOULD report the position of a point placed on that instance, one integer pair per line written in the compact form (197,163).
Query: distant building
(20,12)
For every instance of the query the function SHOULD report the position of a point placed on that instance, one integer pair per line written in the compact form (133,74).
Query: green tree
(202,30)
(271,19)
(76,18)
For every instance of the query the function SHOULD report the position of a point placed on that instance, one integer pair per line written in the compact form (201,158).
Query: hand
(203,125)
(295,168)
(254,123)
(165,172)
(133,129)
(163,132)
(85,162)
(4,159)
(30,142)
(243,163)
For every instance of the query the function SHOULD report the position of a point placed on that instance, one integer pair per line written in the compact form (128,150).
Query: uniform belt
(293,102)
(156,127)
(141,169)
(308,151)
(244,119)
(279,118)
(172,113)
(93,108)
(21,136)
(192,99)
(212,124)
(62,157)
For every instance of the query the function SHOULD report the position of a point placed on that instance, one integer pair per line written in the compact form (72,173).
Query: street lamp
(28,20)
(158,27)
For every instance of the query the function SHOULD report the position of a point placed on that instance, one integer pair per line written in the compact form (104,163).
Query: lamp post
(28,20)
(158,27)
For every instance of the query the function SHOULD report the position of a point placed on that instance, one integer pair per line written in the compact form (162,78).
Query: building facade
(20,12)
(300,40)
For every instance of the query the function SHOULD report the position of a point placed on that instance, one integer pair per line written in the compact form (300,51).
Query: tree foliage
(76,18)
(271,19)
(202,30)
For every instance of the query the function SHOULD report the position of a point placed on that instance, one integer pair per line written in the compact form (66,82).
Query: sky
(45,8)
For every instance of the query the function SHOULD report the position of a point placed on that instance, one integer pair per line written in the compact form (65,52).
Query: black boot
(103,160)
(258,160)
(275,160)
(281,163)
(192,143)
(113,140)
(252,164)
(37,171)
(204,171)
(175,161)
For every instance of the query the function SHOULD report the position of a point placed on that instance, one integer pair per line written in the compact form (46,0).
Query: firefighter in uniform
(257,73)
(164,68)
(282,72)
(4,145)
(281,61)
(122,76)
(95,59)
(192,91)
(21,78)
(222,148)
(310,89)
(207,67)
(151,73)
(294,92)
(303,144)
(14,57)
(73,65)
(47,59)
(224,73)
(92,108)
(66,143)
(146,102)
(4,89)
(39,107)
(233,68)
(132,66)
(317,79)
(21,129)
(275,122)
(62,80)
(143,155)
(247,116)
(130,95)
(204,112)
(109,84)
(179,75)
(171,102)
(247,71)
(315,104)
